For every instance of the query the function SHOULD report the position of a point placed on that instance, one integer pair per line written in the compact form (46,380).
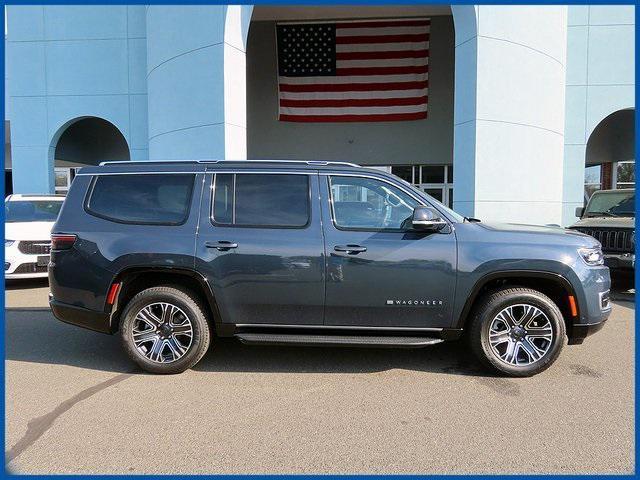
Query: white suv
(27,234)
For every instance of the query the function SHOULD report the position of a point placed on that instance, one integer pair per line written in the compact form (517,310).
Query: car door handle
(222,245)
(350,249)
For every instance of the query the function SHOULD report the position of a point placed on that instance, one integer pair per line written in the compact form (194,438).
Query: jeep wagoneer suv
(175,254)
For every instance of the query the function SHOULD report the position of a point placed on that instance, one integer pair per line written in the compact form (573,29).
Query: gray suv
(175,254)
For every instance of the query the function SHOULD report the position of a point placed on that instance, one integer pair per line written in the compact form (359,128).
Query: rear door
(260,246)
(379,273)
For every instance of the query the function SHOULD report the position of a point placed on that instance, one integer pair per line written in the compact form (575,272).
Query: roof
(199,166)
(314,163)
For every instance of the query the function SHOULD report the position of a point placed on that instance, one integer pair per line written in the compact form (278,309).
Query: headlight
(592,256)
(8,243)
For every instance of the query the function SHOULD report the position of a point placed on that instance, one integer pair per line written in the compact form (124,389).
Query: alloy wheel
(162,332)
(520,334)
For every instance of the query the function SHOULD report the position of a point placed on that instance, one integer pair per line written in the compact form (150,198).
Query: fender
(198,277)
(500,274)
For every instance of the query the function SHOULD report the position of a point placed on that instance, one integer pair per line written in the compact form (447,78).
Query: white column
(509,138)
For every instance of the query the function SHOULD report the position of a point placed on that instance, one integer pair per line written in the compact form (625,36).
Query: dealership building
(522,111)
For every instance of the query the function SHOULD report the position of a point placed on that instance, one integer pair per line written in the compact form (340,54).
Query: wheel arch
(135,279)
(555,286)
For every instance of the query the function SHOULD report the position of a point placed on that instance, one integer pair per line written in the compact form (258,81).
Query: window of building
(261,200)
(369,204)
(143,199)
(592,180)
(626,174)
(435,180)
(63,178)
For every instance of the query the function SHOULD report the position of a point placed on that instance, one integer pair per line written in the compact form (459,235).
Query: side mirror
(426,219)
(579,212)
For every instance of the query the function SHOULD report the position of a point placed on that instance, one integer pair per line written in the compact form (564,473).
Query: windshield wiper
(472,220)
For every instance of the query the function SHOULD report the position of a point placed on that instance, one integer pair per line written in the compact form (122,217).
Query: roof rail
(152,162)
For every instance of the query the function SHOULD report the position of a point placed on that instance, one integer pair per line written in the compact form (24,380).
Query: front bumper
(620,261)
(581,331)
(22,265)
(596,305)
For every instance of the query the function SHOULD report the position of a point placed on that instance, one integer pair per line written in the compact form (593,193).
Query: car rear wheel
(164,330)
(517,331)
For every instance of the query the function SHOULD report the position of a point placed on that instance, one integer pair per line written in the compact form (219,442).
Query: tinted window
(366,203)
(261,200)
(146,199)
(223,199)
(31,211)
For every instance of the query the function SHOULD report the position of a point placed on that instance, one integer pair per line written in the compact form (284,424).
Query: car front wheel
(517,331)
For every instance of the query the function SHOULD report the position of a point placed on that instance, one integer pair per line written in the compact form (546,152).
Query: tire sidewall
(496,305)
(180,300)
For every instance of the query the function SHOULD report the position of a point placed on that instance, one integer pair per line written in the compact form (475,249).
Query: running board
(336,340)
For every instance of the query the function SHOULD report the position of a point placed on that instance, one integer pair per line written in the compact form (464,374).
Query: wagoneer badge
(415,303)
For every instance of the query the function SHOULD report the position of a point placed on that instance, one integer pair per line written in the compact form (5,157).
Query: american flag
(353,71)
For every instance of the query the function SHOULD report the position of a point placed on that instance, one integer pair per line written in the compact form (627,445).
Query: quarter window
(261,200)
(145,199)
(369,204)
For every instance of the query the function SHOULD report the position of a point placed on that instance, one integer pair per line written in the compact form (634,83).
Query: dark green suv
(610,218)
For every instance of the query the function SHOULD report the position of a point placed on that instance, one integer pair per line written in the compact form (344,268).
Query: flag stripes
(367,71)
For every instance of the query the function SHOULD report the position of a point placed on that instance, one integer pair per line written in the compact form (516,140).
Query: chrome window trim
(139,173)
(213,171)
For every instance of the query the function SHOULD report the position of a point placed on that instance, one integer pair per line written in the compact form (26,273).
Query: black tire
(494,303)
(190,306)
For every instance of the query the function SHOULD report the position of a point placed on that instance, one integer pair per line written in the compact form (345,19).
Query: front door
(260,244)
(379,273)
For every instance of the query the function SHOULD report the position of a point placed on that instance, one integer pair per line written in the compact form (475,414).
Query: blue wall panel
(78,61)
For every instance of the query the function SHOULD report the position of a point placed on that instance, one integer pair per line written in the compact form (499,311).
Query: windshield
(614,204)
(32,210)
(453,215)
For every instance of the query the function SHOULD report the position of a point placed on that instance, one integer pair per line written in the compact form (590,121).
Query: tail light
(62,241)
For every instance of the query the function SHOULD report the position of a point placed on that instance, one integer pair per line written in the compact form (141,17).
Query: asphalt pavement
(76,404)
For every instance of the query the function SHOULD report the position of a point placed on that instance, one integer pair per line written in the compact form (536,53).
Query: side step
(336,340)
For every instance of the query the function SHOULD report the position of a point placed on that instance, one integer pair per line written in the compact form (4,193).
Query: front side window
(369,204)
(261,200)
(160,199)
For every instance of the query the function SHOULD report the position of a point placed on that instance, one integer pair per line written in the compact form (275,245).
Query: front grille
(35,247)
(30,268)
(618,240)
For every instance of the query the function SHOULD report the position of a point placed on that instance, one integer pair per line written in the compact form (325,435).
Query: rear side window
(145,199)
(261,200)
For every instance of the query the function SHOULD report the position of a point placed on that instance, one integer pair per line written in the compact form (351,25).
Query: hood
(605,222)
(541,233)
(28,230)
(525,228)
